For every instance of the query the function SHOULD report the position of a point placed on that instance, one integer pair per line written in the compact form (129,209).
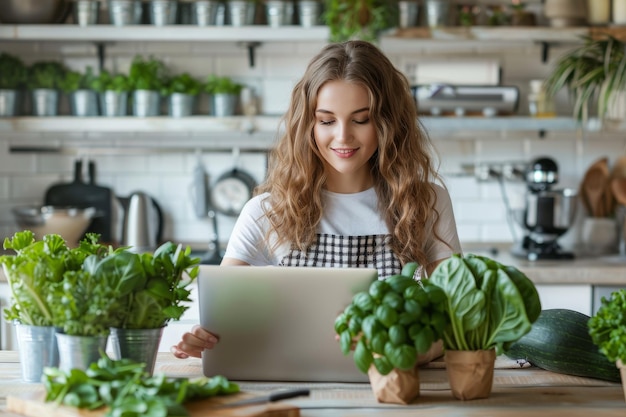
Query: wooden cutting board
(33,405)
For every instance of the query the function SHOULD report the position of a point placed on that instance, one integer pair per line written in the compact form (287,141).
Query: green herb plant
(13,73)
(394,321)
(489,305)
(592,74)
(46,74)
(105,81)
(221,85)
(147,74)
(76,80)
(35,271)
(359,19)
(607,327)
(184,84)
(124,387)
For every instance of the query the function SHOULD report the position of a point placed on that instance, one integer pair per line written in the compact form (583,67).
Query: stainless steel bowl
(551,211)
(68,222)
(34,11)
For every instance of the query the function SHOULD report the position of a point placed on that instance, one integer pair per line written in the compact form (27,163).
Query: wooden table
(516,392)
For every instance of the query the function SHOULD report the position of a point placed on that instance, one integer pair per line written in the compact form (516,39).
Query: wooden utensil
(619,168)
(618,186)
(594,187)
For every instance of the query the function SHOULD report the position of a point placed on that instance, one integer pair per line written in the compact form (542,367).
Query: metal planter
(37,349)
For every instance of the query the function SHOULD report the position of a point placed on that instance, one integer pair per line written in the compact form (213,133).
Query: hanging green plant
(359,19)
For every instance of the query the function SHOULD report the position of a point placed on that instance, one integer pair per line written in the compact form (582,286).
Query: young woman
(351,182)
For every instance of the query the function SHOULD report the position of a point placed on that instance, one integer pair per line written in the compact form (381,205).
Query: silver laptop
(277,323)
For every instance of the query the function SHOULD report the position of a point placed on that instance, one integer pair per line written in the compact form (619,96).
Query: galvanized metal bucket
(181,105)
(139,345)
(84,103)
(224,104)
(146,103)
(8,103)
(78,352)
(45,102)
(37,349)
(113,103)
(125,12)
(241,12)
(204,13)
(279,13)
(86,12)
(309,12)
(163,12)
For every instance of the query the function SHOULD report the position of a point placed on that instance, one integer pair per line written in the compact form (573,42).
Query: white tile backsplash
(479,206)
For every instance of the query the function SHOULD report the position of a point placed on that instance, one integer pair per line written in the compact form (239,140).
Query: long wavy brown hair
(402,167)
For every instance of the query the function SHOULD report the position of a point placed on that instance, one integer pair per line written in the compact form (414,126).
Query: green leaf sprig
(607,327)
(489,305)
(394,321)
(13,72)
(128,390)
(183,83)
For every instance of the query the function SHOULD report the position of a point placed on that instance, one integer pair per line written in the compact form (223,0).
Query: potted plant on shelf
(33,273)
(594,75)
(608,330)
(78,86)
(359,19)
(113,92)
(182,90)
(12,78)
(224,94)
(147,78)
(391,324)
(43,82)
(489,307)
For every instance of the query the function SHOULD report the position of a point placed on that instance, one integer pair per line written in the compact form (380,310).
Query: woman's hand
(194,342)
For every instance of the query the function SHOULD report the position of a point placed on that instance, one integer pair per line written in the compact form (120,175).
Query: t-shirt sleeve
(446,229)
(247,241)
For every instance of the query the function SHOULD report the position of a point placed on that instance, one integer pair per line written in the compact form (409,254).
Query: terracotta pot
(470,373)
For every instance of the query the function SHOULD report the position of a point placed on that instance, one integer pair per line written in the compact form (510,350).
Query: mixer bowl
(550,212)
(68,222)
(34,11)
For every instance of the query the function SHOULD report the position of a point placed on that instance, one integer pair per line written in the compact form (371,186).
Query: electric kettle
(142,222)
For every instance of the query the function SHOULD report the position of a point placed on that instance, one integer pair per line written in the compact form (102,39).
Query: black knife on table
(263,399)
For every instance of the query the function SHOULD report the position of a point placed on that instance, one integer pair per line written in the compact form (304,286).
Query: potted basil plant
(224,93)
(43,82)
(12,78)
(83,98)
(489,306)
(182,91)
(34,274)
(359,19)
(392,323)
(607,329)
(113,91)
(147,78)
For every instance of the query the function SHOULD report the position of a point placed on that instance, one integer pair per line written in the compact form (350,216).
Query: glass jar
(539,103)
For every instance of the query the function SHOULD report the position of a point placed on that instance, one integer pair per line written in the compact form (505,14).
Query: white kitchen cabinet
(572,297)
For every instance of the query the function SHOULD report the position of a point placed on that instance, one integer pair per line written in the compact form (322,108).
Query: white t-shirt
(352,233)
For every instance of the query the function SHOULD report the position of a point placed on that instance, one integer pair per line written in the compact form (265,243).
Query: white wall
(479,207)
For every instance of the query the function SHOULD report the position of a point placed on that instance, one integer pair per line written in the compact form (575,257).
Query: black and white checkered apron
(328,250)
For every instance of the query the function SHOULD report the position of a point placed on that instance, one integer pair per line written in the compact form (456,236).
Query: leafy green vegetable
(183,83)
(45,74)
(393,322)
(489,305)
(76,80)
(221,85)
(13,72)
(128,390)
(37,269)
(607,327)
(360,19)
(147,74)
(106,81)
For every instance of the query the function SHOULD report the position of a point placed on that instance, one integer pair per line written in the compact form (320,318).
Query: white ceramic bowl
(68,222)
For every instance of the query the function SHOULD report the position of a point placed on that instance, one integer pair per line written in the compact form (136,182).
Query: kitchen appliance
(142,222)
(82,195)
(34,11)
(490,100)
(548,214)
(68,222)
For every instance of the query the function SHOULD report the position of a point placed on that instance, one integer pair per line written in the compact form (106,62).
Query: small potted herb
(44,79)
(224,92)
(182,90)
(147,79)
(78,86)
(359,19)
(489,307)
(113,92)
(607,329)
(395,321)
(12,78)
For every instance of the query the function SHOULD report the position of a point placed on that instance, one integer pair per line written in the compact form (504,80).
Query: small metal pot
(550,212)
(34,11)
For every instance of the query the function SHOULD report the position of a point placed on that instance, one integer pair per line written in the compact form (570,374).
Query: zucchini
(559,341)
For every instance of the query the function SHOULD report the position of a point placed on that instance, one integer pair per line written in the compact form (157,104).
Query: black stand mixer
(548,214)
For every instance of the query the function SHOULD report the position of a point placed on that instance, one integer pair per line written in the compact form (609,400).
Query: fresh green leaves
(393,322)
(147,74)
(221,85)
(490,305)
(607,327)
(45,74)
(13,72)
(358,19)
(184,84)
(106,81)
(76,80)
(127,390)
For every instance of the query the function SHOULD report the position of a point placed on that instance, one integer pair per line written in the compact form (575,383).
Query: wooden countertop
(516,392)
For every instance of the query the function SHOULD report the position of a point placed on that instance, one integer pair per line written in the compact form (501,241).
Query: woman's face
(345,135)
